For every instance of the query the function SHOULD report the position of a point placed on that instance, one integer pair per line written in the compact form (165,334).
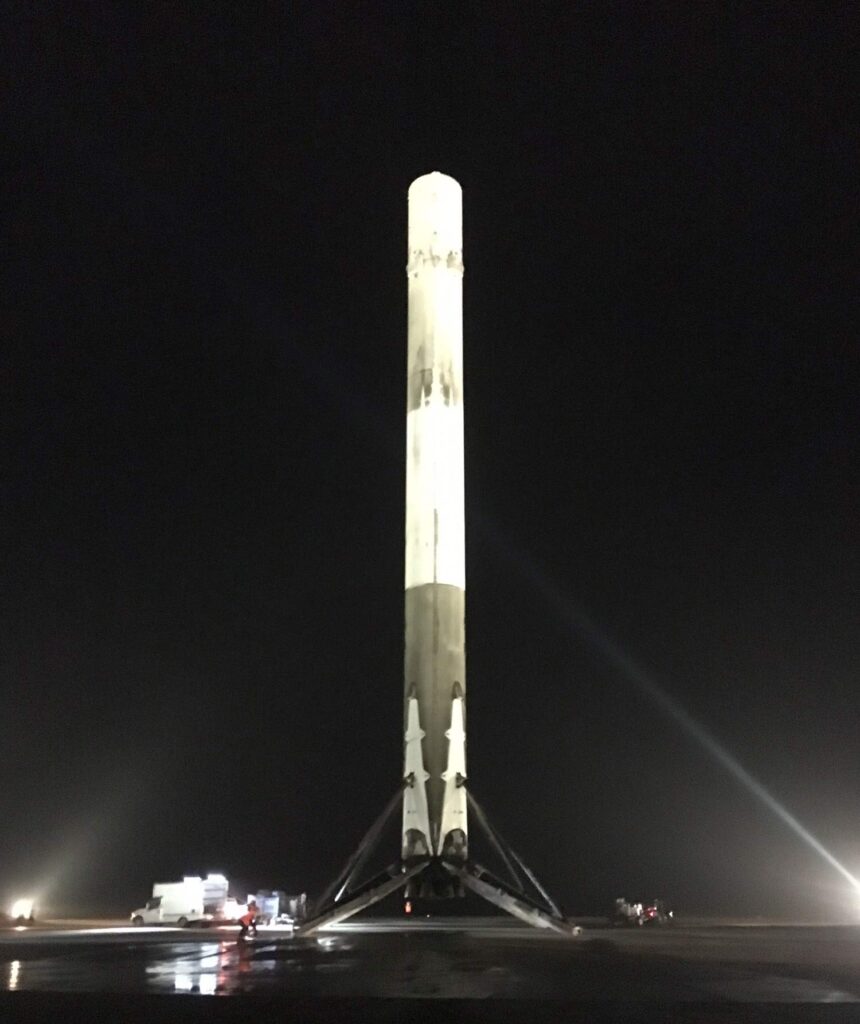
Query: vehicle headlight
(22,908)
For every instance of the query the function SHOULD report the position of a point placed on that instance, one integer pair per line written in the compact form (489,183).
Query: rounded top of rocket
(435,182)
(435,214)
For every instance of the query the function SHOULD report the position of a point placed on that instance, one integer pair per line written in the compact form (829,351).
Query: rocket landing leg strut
(424,876)
(447,870)
(375,890)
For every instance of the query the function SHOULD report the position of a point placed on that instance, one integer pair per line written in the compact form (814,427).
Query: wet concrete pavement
(445,960)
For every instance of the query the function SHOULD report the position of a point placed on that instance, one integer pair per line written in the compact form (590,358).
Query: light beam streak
(624,665)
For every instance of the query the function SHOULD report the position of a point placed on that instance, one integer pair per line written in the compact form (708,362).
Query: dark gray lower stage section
(435,661)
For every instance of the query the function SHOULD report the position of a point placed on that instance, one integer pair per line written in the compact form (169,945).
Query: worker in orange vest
(248,920)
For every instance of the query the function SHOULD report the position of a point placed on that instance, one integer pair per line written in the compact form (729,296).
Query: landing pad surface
(455,962)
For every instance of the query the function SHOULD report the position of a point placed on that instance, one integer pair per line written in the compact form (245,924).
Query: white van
(194,899)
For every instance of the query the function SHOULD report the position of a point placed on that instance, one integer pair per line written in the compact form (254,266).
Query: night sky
(203,426)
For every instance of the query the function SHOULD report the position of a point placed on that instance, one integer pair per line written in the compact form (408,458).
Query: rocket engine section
(434,803)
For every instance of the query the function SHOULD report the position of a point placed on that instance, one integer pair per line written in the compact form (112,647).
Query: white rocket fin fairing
(416,818)
(454,831)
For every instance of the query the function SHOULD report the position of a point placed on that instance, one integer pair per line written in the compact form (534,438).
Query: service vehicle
(635,915)
(275,907)
(194,900)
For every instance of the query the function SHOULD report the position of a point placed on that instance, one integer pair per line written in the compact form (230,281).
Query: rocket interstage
(434,804)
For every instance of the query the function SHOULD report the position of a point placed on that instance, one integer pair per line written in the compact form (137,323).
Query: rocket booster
(434,806)
(435,859)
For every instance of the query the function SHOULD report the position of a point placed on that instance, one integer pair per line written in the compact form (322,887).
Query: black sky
(203,365)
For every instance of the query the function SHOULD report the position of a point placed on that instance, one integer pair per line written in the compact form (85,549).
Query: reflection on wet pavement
(205,970)
(478,962)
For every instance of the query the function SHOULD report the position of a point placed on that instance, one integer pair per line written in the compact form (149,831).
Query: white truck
(193,900)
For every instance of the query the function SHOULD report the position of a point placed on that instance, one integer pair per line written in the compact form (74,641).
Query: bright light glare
(233,910)
(22,908)
(627,667)
(107,930)
(208,984)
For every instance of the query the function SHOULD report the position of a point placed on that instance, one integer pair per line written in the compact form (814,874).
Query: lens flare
(584,625)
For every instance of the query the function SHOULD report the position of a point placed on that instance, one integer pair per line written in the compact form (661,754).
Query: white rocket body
(435,861)
(434,808)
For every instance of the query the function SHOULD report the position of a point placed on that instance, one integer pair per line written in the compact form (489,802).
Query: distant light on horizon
(22,908)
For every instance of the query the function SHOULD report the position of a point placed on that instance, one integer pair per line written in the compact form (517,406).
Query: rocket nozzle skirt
(435,579)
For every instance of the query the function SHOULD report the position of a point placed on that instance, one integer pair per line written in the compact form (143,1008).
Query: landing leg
(375,892)
(500,897)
